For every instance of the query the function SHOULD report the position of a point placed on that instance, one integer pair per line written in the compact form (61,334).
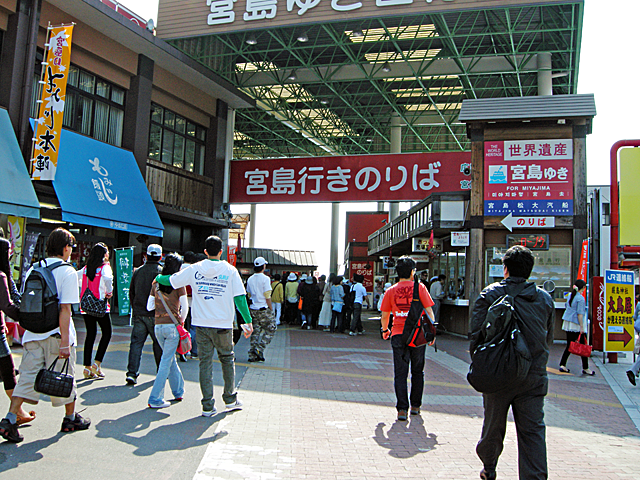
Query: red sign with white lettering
(365,269)
(355,178)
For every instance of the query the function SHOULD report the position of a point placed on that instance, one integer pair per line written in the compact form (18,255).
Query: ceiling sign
(528,177)
(183,18)
(355,178)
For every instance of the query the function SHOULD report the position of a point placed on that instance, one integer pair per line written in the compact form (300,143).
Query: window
(93,107)
(176,141)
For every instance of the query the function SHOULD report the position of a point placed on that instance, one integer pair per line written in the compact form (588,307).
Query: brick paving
(325,409)
(322,407)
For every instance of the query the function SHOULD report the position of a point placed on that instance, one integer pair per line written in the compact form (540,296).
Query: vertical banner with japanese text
(48,127)
(583,268)
(29,247)
(16,241)
(124,272)
(619,307)
(232,257)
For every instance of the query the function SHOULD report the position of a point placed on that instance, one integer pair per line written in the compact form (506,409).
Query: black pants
(336,321)
(526,400)
(572,337)
(356,321)
(8,372)
(401,372)
(91,323)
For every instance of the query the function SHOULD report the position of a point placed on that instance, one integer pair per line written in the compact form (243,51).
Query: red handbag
(581,349)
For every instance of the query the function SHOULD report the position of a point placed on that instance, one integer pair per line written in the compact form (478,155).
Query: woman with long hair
(167,334)
(575,324)
(96,276)
(7,307)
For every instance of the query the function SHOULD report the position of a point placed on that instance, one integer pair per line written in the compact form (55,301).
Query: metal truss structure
(336,88)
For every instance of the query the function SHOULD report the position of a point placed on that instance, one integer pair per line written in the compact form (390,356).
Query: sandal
(564,369)
(22,420)
(88,373)
(95,369)
(591,373)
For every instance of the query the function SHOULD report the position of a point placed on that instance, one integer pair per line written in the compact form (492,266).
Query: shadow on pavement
(406,439)
(109,393)
(13,455)
(176,436)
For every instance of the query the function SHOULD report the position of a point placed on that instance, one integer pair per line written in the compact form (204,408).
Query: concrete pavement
(322,406)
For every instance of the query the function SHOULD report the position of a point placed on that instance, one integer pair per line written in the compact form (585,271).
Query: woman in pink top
(98,277)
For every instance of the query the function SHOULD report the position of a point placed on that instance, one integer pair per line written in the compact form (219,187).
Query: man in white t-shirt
(360,296)
(437,294)
(217,291)
(41,349)
(264,322)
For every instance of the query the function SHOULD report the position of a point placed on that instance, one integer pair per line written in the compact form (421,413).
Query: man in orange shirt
(397,300)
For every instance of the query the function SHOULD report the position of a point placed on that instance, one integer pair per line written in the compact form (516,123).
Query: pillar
(252,226)
(335,226)
(396,147)
(137,117)
(545,85)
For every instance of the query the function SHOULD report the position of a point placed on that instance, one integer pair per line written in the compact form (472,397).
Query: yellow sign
(46,141)
(619,306)
(16,240)
(629,196)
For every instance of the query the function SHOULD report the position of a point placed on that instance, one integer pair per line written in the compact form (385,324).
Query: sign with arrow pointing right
(619,308)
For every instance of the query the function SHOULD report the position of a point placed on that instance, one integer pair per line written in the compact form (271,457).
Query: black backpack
(504,357)
(39,308)
(349,297)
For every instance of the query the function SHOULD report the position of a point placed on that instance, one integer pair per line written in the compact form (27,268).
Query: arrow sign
(620,337)
(511,222)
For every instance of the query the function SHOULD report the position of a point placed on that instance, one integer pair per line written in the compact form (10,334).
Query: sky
(608,69)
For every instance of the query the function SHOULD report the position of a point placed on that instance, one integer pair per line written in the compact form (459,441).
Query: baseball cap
(155,250)
(259,261)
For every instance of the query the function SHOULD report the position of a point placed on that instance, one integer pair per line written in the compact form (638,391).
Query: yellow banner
(16,240)
(46,141)
(619,307)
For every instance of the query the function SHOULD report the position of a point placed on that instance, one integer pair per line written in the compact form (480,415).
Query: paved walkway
(322,407)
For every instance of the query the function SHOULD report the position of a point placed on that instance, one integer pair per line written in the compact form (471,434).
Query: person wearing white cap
(291,299)
(143,321)
(264,322)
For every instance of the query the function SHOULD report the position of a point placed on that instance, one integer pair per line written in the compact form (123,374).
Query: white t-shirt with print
(66,279)
(257,285)
(214,284)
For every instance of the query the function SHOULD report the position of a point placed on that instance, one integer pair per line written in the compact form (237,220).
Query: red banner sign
(361,178)
(366,270)
(597,312)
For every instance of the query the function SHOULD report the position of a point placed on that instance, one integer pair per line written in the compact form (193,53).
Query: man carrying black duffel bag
(536,313)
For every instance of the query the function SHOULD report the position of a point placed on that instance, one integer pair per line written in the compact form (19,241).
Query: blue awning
(17,196)
(100,185)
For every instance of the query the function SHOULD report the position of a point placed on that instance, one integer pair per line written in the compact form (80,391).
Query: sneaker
(303,326)
(164,404)
(402,415)
(261,357)
(209,413)
(237,405)
(177,399)
(78,423)
(253,358)
(131,380)
(9,431)
(415,411)
(361,333)
(631,377)
(353,334)
(326,329)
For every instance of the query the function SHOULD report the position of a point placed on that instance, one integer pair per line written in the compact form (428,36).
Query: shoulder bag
(89,303)
(418,329)
(184,346)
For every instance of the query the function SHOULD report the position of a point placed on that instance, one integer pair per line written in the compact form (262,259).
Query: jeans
(526,400)
(142,327)
(169,338)
(91,323)
(401,372)
(356,321)
(220,339)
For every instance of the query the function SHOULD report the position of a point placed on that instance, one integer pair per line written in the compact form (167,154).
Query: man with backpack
(42,349)
(535,314)
(397,301)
